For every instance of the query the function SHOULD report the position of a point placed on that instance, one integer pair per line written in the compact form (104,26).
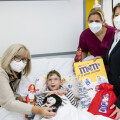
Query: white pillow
(39,66)
(44,65)
(62,65)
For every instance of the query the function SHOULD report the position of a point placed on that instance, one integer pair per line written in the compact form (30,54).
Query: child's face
(53,82)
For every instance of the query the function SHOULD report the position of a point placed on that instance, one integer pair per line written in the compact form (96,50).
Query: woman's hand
(97,57)
(116,111)
(44,111)
(21,98)
(73,64)
(47,112)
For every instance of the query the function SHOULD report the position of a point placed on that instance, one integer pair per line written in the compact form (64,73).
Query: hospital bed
(40,68)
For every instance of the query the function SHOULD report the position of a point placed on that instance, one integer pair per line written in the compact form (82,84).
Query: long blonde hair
(97,11)
(16,50)
(113,12)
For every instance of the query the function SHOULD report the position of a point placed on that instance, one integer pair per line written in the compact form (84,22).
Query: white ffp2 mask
(117,22)
(17,66)
(95,27)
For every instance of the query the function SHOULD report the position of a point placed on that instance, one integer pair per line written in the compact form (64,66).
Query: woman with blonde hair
(97,38)
(15,62)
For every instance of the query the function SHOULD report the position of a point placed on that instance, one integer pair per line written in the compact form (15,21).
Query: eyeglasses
(55,79)
(18,59)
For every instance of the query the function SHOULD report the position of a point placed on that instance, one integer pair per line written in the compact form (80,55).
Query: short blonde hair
(97,11)
(113,12)
(11,52)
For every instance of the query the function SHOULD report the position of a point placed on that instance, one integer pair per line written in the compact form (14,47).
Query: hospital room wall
(107,8)
(48,24)
(43,26)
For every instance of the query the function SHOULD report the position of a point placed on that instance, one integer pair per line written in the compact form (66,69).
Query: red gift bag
(103,100)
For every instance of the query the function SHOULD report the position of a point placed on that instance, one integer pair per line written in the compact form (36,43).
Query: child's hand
(52,92)
(62,92)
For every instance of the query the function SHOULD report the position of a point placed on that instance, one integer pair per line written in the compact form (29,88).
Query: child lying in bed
(68,110)
(53,84)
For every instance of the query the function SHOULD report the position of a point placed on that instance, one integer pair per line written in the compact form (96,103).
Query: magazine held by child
(90,75)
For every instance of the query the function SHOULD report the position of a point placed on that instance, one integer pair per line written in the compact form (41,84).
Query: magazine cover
(90,74)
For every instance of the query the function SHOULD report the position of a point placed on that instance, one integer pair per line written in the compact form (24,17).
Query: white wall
(43,26)
(115,2)
(107,8)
